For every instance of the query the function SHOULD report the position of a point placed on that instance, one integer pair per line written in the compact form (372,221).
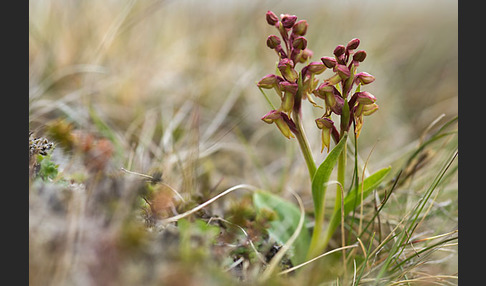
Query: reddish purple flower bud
(316,67)
(329,62)
(287,20)
(364,78)
(268,81)
(289,87)
(283,122)
(324,122)
(342,70)
(299,43)
(339,51)
(323,89)
(300,28)
(286,62)
(271,116)
(272,19)
(286,68)
(273,41)
(365,98)
(353,44)
(359,56)
(332,97)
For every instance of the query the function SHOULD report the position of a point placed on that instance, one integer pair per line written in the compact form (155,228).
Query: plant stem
(315,245)
(311,166)
(300,134)
(341,176)
(304,145)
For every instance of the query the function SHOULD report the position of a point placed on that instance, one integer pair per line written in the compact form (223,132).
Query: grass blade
(398,247)
(354,198)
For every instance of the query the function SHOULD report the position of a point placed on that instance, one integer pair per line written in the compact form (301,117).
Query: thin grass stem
(193,210)
(315,258)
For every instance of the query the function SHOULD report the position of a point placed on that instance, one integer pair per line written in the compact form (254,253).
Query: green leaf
(281,229)
(322,175)
(319,186)
(351,201)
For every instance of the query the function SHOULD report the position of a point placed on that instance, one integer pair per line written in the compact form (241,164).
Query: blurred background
(173,81)
(140,61)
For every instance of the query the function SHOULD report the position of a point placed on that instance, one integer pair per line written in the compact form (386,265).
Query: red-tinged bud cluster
(291,49)
(293,86)
(294,46)
(344,65)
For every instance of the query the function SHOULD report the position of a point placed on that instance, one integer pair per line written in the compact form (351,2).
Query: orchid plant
(342,98)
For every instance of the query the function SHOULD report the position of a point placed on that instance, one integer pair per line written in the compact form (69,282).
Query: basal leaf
(281,229)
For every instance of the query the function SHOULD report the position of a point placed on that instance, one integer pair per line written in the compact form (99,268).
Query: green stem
(311,166)
(304,145)
(316,240)
(341,176)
